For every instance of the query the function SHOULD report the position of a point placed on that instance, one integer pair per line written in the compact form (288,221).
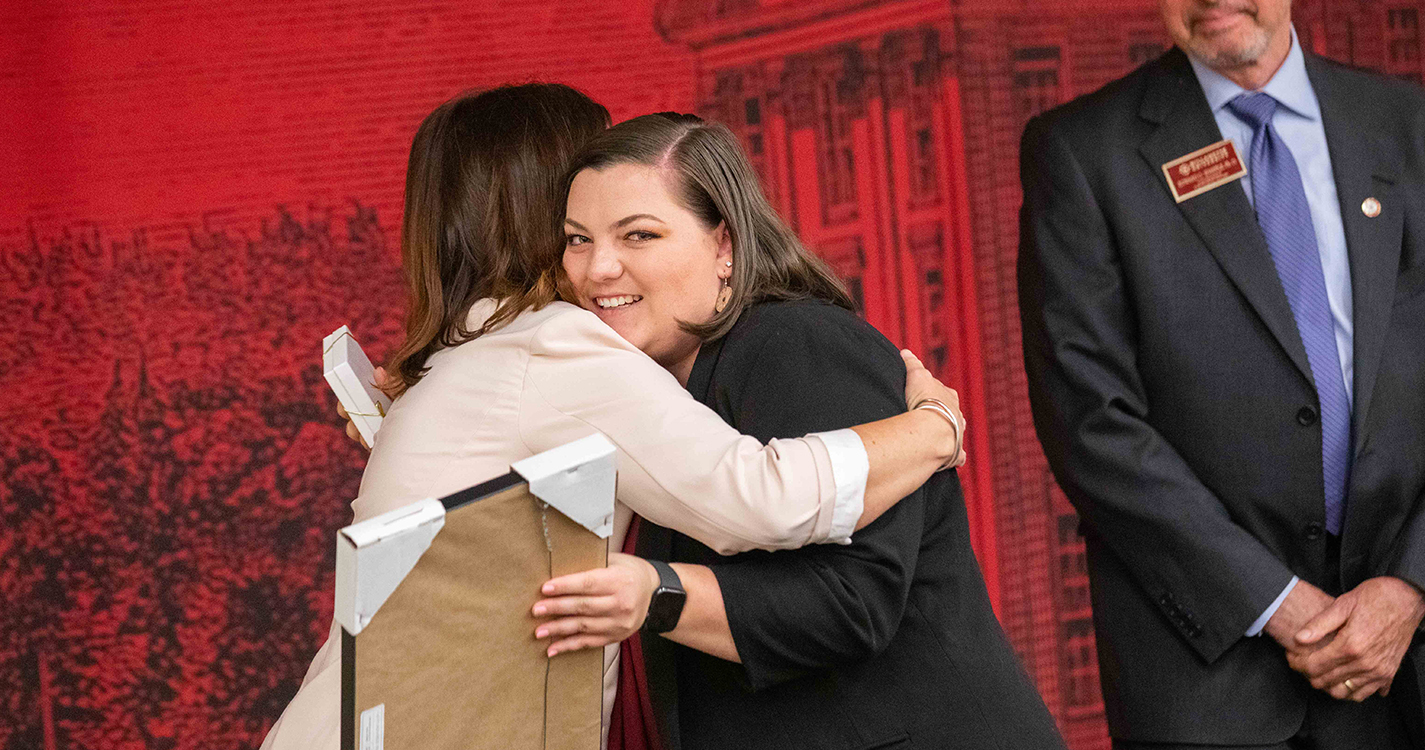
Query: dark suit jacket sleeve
(1408,554)
(1204,572)
(825,605)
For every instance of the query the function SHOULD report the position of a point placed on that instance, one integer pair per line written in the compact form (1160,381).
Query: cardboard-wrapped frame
(444,655)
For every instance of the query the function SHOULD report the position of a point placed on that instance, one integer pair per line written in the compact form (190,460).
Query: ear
(724,249)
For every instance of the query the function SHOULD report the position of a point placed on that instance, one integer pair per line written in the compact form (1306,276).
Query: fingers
(380,378)
(1297,656)
(1360,688)
(912,362)
(1366,650)
(1340,692)
(1363,680)
(1329,621)
(587,583)
(1347,657)
(1365,691)
(1328,666)
(355,434)
(577,643)
(921,382)
(577,605)
(596,607)
(351,430)
(600,590)
(1338,676)
(566,627)
(1363,673)
(583,622)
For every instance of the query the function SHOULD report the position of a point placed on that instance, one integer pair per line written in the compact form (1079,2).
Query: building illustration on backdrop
(888,133)
(171,473)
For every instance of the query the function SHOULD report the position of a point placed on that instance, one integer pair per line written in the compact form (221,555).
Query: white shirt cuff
(849,469)
(1261,622)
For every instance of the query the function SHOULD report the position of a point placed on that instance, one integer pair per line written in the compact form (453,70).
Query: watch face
(664,610)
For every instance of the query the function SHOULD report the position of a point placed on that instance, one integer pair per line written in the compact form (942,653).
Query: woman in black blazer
(888,642)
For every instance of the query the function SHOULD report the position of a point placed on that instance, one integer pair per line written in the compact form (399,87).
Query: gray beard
(1217,58)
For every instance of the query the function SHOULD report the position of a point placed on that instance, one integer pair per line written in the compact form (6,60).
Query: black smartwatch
(666,606)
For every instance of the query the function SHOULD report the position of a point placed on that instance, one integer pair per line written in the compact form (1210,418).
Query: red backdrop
(195,192)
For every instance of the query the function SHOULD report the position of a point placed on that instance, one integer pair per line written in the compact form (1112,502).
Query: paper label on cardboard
(1204,169)
(373,728)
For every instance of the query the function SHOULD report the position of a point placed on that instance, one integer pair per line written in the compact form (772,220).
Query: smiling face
(642,262)
(1230,34)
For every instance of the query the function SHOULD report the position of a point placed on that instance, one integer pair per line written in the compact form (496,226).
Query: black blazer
(889,642)
(1172,394)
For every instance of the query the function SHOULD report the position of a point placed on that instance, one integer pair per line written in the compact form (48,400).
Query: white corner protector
(374,556)
(578,479)
(352,378)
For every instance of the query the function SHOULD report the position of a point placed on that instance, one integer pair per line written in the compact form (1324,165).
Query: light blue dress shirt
(1298,121)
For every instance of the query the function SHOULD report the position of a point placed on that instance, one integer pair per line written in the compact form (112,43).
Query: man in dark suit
(888,642)
(1228,378)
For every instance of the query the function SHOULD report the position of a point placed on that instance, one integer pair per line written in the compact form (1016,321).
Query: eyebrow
(625,221)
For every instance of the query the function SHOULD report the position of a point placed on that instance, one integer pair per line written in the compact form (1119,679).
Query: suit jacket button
(1314,531)
(1306,416)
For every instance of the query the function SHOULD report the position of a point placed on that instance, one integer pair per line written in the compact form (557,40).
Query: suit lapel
(1365,166)
(1222,218)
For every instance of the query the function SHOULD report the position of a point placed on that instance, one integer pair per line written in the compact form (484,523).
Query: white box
(352,378)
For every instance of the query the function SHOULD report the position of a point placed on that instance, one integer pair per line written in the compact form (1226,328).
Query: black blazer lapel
(1223,217)
(1365,166)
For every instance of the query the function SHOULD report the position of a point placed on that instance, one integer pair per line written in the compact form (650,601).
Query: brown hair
(483,212)
(712,178)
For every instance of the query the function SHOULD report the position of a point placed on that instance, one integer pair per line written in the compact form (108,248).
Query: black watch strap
(666,606)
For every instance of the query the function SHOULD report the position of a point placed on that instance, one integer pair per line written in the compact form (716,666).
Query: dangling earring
(725,294)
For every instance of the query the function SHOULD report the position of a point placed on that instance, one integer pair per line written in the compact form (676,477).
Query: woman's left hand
(596,607)
(920,385)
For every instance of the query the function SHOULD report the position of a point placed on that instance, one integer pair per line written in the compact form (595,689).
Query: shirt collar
(1290,85)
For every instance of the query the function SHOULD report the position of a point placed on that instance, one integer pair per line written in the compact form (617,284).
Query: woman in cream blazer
(548,374)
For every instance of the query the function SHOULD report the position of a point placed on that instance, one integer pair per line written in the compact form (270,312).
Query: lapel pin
(1370,207)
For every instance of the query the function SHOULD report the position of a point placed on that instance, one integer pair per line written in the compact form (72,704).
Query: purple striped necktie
(1285,218)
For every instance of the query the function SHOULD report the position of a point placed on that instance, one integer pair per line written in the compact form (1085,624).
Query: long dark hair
(483,211)
(711,177)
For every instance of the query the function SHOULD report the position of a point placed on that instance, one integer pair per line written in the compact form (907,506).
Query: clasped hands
(1349,646)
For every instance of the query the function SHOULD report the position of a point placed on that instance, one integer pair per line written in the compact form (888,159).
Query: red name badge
(1203,170)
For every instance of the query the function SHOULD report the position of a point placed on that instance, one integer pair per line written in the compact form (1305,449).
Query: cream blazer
(558,374)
